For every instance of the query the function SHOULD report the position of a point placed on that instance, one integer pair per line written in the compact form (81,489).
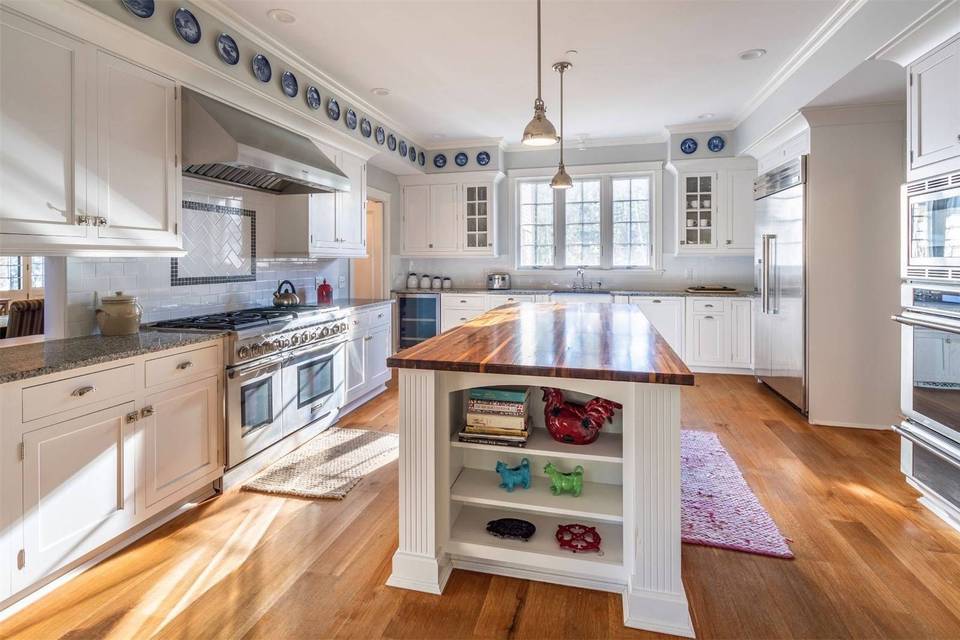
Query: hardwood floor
(870,562)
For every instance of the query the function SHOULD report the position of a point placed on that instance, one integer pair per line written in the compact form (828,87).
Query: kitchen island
(449,489)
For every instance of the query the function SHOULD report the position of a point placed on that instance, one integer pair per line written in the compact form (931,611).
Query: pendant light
(540,132)
(562,179)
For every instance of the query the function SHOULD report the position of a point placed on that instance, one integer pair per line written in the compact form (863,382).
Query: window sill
(651,270)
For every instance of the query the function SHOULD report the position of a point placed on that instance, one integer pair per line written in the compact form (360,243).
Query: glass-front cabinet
(476,218)
(698,204)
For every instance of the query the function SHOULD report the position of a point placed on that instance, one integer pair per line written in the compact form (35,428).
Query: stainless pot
(283,298)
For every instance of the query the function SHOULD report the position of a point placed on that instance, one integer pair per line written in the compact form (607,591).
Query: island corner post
(636,504)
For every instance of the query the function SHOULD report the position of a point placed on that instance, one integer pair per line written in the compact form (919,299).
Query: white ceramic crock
(119,315)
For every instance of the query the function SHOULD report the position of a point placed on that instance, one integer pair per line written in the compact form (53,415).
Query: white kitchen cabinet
(715,207)
(326,225)
(78,488)
(719,333)
(355,374)
(741,333)
(376,352)
(181,428)
(450,215)
(88,149)
(934,112)
(707,339)
(494,300)
(667,317)
(369,345)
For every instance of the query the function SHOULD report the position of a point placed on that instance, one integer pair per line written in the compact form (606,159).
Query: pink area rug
(718,509)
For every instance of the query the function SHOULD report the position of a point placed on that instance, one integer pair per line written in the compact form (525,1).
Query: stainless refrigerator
(780,335)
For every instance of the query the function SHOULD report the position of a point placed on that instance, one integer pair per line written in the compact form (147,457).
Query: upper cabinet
(714,206)
(88,148)
(451,215)
(934,112)
(326,225)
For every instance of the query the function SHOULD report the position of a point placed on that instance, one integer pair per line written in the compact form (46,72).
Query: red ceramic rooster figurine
(575,423)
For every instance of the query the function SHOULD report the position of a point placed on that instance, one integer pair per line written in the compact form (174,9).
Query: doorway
(367,273)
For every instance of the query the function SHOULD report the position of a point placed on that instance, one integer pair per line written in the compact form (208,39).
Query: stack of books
(498,416)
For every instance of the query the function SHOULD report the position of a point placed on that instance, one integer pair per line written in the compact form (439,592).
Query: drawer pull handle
(655,301)
(708,306)
(463,302)
(463,319)
(82,391)
(367,338)
(379,315)
(183,366)
(146,412)
(708,317)
(356,322)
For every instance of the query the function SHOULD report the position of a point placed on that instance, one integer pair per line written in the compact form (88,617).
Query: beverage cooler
(418,318)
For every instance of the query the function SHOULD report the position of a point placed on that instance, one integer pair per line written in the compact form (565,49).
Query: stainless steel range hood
(224,144)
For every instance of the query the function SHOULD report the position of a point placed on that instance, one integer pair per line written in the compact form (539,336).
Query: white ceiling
(465,69)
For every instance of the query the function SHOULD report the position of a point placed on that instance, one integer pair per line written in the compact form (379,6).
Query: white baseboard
(656,611)
(728,370)
(538,575)
(848,425)
(419,573)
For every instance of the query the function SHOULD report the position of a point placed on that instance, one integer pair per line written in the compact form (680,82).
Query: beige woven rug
(328,466)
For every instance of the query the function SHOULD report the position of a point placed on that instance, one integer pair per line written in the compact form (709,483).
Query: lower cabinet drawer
(183,366)
(379,316)
(495,300)
(79,391)
(451,318)
(462,300)
(709,305)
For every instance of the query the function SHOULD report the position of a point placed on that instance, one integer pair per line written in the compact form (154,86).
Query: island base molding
(634,477)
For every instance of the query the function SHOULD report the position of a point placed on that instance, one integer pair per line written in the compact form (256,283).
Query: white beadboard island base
(632,495)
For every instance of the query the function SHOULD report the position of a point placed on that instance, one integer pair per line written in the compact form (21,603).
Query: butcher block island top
(587,341)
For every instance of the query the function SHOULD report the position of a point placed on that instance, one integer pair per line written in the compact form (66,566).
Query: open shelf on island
(469,537)
(603,502)
(608,447)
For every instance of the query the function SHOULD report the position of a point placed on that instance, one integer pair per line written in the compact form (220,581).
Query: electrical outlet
(342,282)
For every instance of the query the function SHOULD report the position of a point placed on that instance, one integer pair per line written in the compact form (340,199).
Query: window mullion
(560,228)
(606,222)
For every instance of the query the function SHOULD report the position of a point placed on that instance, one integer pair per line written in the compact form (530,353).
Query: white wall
(678,272)
(855,170)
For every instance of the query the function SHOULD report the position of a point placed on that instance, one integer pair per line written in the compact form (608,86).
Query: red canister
(324,293)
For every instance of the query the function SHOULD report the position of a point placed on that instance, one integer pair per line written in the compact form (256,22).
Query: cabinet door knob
(729,241)
(431,245)
(82,391)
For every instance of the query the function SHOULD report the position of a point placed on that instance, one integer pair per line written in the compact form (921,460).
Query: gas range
(265,331)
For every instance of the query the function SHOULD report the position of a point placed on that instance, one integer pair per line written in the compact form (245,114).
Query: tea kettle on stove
(283,298)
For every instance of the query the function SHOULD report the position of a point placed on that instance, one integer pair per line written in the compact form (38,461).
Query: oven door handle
(914,322)
(946,451)
(246,372)
(311,352)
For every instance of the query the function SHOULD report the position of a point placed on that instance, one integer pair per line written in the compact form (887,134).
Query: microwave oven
(931,229)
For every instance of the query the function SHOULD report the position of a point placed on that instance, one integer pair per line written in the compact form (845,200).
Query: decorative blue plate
(391,142)
(261,68)
(483,158)
(380,135)
(187,26)
(403,148)
(413,154)
(140,8)
(289,84)
(313,97)
(688,146)
(715,144)
(333,109)
(439,161)
(461,159)
(421,159)
(227,49)
(351,119)
(365,128)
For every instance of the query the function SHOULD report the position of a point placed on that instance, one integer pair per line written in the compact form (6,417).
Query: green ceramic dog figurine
(565,482)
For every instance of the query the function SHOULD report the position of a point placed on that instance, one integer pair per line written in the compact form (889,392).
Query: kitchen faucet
(582,284)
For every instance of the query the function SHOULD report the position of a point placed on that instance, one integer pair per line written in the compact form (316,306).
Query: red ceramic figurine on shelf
(324,293)
(575,423)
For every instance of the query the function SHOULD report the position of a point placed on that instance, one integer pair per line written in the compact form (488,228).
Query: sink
(581,295)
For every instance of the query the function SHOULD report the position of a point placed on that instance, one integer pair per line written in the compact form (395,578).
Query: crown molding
(913,42)
(221,10)
(701,127)
(823,33)
(445,144)
(589,143)
(848,114)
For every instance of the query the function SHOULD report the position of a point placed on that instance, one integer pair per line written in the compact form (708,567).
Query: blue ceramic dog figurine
(510,478)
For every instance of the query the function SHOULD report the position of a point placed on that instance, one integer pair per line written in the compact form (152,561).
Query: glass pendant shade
(562,179)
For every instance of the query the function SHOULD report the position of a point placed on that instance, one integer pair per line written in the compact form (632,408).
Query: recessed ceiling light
(437,136)
(752,54)
(380,91)
(282,16)
(704,116)
(572,52)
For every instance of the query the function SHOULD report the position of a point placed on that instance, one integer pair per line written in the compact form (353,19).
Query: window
(607,220)
(536,224)
(21,274)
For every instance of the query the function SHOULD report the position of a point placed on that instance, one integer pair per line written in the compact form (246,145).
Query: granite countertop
(53,356)
(354,303)
(613,292)
(612,342)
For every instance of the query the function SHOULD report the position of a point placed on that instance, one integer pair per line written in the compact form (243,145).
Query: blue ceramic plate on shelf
(380,135)
(461,159)
(439,161)
(421,159)
(227,49)
(391,142)
(313,98)
(289,84)
(333,109)
(187,26)
(403,148)
(261,68)
(688,146)
(413,154)
(715,144)
(365,128)
(140,8)
(350,119)
(483,158)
